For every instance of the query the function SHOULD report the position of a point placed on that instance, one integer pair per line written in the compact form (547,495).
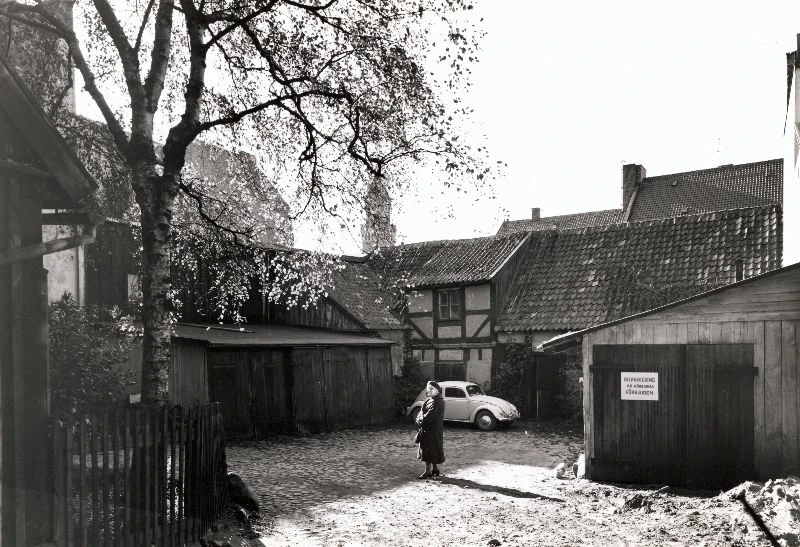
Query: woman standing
(431,431)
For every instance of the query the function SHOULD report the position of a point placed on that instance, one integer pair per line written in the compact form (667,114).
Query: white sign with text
(640,386)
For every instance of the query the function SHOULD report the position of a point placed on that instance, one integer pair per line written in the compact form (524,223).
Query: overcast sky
(568,92)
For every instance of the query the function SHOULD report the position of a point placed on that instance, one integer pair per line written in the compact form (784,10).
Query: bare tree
(327,92)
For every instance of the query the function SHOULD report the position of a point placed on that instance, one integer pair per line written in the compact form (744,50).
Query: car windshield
(474,389)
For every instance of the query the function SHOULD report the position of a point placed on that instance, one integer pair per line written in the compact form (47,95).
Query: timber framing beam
(23,169)
(29,252)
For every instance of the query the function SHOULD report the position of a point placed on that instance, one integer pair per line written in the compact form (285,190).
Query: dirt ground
(359,487)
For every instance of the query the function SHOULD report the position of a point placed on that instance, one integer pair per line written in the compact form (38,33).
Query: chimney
(535,213)
(632,176)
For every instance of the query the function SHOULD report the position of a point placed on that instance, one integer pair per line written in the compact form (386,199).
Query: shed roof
(356,288)
(271,336)
(73,182)
(573,279)
(445,262)
(575,220)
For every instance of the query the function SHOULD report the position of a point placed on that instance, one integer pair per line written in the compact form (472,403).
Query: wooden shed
(702,392)
(275,378)
(37,171)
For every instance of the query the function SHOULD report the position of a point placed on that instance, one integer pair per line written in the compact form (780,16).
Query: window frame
(453,304)
(458,389)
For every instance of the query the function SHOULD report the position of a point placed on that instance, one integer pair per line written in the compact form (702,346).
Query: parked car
(466,402)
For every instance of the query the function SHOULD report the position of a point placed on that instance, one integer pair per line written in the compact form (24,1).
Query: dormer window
(450,304)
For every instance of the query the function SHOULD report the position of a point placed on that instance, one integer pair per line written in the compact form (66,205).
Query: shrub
(570,395)
(408,385)
(507,381)
(85,343)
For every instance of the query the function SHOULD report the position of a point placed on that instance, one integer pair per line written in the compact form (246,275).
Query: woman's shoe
(435,473)
(425,475)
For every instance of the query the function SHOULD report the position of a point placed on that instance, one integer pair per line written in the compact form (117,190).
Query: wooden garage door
(229,383)
(699,431)
(269,405)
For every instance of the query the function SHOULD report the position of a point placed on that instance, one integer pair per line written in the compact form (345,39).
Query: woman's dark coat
(431,439)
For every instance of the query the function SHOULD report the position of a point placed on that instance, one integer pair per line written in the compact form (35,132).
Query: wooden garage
(702,392)
(274,378)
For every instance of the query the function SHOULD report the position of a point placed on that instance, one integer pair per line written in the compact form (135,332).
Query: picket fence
(138,477)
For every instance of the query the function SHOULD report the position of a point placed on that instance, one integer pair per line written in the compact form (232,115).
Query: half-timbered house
(453,291)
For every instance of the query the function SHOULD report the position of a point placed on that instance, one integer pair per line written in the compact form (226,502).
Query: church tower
(377,230)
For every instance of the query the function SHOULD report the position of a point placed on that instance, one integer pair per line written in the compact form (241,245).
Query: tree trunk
(156,206)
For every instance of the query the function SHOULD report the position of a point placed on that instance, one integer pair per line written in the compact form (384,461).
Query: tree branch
(239,22)
(308,7)
(199,199)
(182,134)
(127,55)
(138,45)
(159,57)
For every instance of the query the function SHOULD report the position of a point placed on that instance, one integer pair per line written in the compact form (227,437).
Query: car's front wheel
(413,414)
(485,420)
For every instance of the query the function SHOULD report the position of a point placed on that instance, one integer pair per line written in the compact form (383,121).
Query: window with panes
(450,304)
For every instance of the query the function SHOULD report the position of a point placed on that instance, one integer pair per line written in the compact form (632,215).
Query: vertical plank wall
(24,506)
(188,379)
(764,313)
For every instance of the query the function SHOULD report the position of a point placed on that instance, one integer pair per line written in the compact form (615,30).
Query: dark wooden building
(275,378)
(37,171)
(702,392)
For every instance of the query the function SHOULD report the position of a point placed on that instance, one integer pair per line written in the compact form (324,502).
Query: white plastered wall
(791,178)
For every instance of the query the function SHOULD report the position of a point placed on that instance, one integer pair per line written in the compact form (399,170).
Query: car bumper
(509,417)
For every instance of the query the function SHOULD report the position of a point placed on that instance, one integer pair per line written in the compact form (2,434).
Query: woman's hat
(435,385)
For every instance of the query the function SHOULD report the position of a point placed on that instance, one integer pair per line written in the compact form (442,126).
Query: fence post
(146,485)
(117,528)
(82,480)
(95,487)
(163,493)
(127,529)
(68,532)
(56,514)
(173,478)
(106,478)
(137,498)
(182,474)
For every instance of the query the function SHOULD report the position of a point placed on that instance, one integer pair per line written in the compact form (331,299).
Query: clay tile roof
(445,262)
(356,289)
(573,279)
(576,220)
(721,188)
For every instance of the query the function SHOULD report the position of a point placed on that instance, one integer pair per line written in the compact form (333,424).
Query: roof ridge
(440,241)
(717,168)
(544,219)
(664,220)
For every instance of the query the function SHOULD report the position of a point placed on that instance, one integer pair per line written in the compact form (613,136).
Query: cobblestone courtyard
(359,487)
